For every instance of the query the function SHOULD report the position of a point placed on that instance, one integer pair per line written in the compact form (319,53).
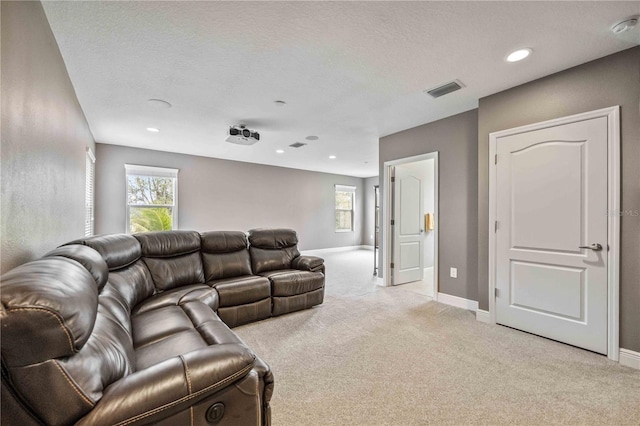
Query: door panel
(407,230)
(551,198)
(409,204)
(532,283)
(409,255)
(534,178)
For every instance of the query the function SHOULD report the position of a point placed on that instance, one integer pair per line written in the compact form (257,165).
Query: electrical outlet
(453,272)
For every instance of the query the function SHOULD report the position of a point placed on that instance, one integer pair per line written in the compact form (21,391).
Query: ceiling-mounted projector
(242,136)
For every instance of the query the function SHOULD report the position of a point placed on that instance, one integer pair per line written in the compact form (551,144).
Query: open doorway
(411,229)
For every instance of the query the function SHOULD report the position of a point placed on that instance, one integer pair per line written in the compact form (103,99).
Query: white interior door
(551,196)
(408,256)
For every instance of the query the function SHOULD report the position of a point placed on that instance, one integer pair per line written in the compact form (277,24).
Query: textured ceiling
(350,72)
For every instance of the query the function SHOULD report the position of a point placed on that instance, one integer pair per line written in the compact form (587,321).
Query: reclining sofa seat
(127,356)
(244,297)
(297,282)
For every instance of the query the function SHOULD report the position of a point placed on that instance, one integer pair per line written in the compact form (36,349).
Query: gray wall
(609,81)
(456,140)
(368,231)
(218,194)
(44,137)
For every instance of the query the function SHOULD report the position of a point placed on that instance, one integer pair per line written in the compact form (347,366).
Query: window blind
(89,194)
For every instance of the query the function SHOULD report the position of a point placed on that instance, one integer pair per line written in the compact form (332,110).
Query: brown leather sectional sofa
(132,330)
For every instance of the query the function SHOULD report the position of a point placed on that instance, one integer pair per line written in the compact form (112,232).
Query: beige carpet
(389,356)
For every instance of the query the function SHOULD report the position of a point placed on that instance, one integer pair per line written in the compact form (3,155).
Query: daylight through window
(89,193)
(345,200)
(152,198)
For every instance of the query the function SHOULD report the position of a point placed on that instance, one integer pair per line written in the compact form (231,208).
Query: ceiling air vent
(444,89)
(297,145)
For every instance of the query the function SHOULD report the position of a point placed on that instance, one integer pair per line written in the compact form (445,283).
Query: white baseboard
(483,316)
(629,358)
(458,302)
(335,249)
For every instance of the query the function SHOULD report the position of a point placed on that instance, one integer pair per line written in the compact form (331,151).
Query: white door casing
(387,213)
(408,256)
(550,195)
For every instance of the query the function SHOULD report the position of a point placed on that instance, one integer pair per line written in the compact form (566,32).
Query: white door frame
(386,216)
(613,219)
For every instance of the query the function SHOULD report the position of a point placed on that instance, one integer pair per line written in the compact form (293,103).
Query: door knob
(594,247)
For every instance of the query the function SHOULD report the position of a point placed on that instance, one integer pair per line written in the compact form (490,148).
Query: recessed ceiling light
(280,103)
(332,157)
(625,25)
(153,129)
(519,55)
(159,103)
(280,151)
(312,138)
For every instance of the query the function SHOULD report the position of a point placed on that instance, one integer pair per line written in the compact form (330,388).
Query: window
(345,200)
(89,193)
(152,198)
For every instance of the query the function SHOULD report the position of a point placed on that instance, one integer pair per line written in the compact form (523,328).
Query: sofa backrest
(129,279)
(272,249)
(225,255)
(61,344)
(173,258)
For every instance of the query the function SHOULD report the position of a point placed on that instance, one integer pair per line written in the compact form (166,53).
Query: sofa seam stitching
(189,388)
(184,398)
(75,388)
(64,329)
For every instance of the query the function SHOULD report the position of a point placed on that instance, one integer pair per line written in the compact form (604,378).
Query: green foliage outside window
(145,219)
(151,203)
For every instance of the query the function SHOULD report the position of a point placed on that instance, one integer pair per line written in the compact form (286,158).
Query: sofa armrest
(307,263)
(171,386)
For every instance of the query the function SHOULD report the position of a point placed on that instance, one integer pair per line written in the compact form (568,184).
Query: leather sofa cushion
(226,265)
(107,357)
(234,316)
(272,249)
(74,379)
(87,257)
(157,394)
(163,333)
(241,290)
(284,305)
(263,260)
(127,272)
(168,273)
(39,314)
(223,241)
(130,286)
(173,258)
(118,250)
(168,243)
(273,238)
(178,296)
(225,254)
(270,274)
(291,283)
(307,263)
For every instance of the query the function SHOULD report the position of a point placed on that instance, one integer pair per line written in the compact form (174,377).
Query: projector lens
(246,133)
